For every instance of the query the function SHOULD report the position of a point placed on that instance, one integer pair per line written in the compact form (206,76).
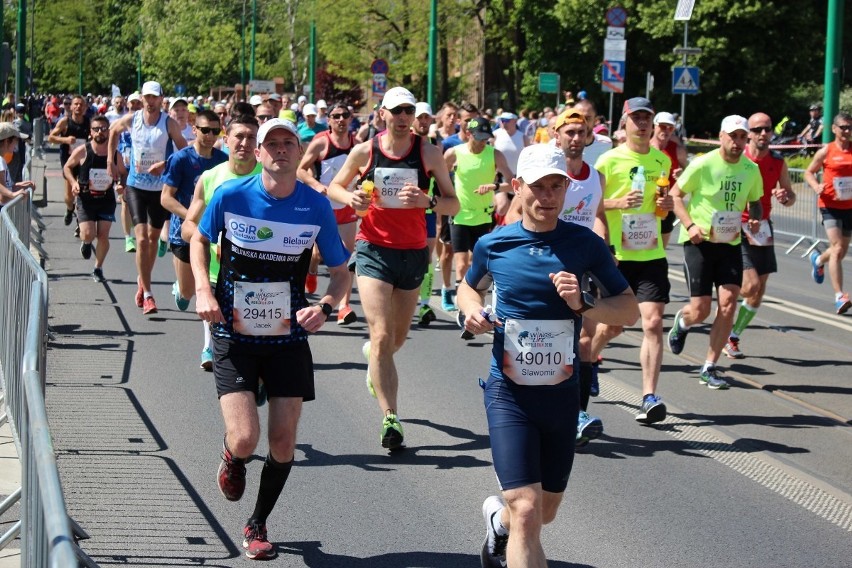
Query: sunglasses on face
(340,116)
(399,110)
(844,127)
(264,117)
(208,129)
(760,129)
(100,128)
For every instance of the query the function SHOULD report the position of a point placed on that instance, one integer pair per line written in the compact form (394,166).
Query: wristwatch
(588,303)
(326,309)
(433,202)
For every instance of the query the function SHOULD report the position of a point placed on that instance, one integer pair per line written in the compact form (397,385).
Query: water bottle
(367,186)
(638,181)
(662,191)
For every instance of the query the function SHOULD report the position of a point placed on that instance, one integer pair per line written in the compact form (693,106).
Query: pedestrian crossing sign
(685,81)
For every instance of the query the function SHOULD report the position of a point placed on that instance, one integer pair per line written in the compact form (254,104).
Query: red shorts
(345,216)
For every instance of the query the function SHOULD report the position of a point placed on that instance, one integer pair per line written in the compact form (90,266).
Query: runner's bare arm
(199,258)
(435,163)
(358,159)
(58,135)
(312,154)
(74,160)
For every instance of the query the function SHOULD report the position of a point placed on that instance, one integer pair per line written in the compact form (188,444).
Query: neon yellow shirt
(719,193)
(211,180)
(473,170)
(618,166)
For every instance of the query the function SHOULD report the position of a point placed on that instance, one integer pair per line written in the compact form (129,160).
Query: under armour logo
(536,251)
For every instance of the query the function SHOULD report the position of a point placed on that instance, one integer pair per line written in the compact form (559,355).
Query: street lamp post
(81,60)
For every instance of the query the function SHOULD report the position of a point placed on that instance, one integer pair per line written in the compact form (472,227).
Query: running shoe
(595,389)
(231,477)
(732,348)
(677,335)
(652,410)
(98,275)
(392,436)
(711,378)
(426,315)
(140,294)
(207,359)
(129,244)
(255,543)
(261,396)
(817,270)
(311,283)
(162,248)
(588,428)
(447,303)
(365,351)
(181,302)
(86,250)
(843,304)
(149,306)
(69,214)
(493,553)
(345,316)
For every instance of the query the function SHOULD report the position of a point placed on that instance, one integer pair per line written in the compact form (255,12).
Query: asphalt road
(755,476)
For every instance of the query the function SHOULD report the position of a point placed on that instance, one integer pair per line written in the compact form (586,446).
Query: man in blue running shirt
(532,394)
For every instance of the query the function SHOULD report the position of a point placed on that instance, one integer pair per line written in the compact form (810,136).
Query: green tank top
(210,181)
(472,171)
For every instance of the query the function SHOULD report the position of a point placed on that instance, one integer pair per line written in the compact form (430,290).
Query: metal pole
(139,59)
(433,53)
(253,32)
(833,41)
(312,79)
(31,78)
(81,61)
(613,126)
(243,49)
(683,96)
(20,58)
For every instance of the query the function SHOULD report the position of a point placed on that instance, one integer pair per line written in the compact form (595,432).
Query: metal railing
(45,528)
(801,220)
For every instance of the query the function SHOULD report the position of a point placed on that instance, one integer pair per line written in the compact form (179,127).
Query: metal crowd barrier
(45,529)
(801,220)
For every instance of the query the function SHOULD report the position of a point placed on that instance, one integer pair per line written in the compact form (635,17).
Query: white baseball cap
(152,88)
(731,124)
(422,108)
(322,104)
(276,124)
(665,118)
(309,109)
(134,97)
(273,97)
(541,160)
(256,100)
(175,101)
(398,96)
(302,99)
(508,116)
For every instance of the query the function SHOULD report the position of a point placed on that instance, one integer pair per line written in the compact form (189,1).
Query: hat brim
(535,174)
(482,136)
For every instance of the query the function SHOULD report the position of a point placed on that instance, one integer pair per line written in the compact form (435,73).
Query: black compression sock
(272,480)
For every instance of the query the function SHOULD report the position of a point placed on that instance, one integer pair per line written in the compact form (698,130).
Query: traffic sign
(683,12)
(687,51)
(685,81)
(615,33)
(612,76)
(548,83)
(379,66)
(180,89)
(616,17)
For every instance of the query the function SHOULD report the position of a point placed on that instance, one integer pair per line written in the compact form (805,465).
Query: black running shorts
(287,370)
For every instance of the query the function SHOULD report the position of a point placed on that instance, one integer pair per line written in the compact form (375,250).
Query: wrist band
(690,226)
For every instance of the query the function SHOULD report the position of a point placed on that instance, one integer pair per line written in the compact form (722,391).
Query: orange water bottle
(367,186)
(662,191)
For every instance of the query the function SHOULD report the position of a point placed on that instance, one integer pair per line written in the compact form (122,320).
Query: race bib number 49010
(262,308)
(538,352)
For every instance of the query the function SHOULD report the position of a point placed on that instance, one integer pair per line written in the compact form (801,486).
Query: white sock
(206,327)
(148,295)
(838,296)
(498,526)
(707,366)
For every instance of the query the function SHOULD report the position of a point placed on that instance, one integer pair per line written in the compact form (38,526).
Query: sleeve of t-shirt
(330,245)
(477,276)
(606,273)
(602,165)
(687,181)
(174,173)
(213,221)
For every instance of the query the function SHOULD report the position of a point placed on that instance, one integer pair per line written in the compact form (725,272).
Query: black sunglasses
(100,128)
(760,129)
(264,117)
(340,116)
(208,129)
(844,127)
(399,110)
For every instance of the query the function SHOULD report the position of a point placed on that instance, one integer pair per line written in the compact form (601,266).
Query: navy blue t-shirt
(519,263)
(266,250)
(183,168)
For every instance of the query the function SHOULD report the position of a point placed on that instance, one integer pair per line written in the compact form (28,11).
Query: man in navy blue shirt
(532,394)
(183,168)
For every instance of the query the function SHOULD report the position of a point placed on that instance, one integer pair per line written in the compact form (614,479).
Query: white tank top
(149,147)
(594,150)
(583,197)
(509,146)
